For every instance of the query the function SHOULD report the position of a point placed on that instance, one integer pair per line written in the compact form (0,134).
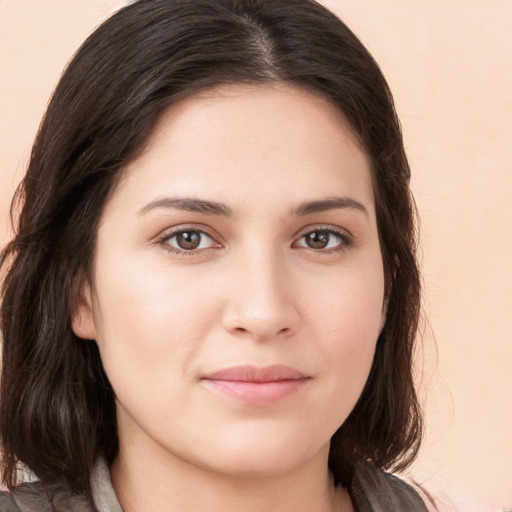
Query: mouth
(257,385)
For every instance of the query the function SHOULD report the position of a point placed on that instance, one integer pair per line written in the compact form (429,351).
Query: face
(237,288)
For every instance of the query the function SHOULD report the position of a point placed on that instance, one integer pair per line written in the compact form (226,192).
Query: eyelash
(166,237)
(346,240)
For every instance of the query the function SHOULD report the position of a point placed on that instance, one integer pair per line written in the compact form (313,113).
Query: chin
(260,466)
(268,457)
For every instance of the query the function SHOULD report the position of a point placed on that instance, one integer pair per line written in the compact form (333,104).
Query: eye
(187,240)
(324,240)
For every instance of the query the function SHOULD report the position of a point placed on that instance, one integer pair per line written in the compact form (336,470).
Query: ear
(82,320)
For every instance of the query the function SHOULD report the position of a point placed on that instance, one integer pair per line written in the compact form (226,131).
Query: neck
(143,483)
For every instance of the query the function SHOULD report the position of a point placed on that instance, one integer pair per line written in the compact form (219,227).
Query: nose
(261,301)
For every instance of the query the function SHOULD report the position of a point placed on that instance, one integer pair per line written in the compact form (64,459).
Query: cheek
(346,314)
(348,304)
(151,321)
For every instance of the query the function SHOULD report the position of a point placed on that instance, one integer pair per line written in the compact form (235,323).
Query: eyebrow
(191,204)
(329,203)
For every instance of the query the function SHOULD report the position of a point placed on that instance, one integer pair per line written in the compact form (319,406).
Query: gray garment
(103,493)
(371,490)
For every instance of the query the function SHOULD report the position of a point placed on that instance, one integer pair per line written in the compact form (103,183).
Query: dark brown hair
(57,410)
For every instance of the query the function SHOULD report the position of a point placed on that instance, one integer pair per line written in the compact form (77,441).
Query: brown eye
(320,239)
(317,239)
(188,240)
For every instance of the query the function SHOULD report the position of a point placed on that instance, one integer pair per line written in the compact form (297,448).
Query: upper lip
(247,373)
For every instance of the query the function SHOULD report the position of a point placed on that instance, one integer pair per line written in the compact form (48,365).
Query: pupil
(318,239)
(188,239)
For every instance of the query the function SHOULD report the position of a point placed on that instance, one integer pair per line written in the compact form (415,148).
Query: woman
(212,297)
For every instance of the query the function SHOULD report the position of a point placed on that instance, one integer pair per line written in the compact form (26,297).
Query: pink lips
(257,386)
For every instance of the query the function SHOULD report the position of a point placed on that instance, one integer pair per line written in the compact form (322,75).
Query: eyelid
(347,238)
(163,238)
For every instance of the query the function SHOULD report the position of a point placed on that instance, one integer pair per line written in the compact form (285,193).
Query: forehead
(255,139)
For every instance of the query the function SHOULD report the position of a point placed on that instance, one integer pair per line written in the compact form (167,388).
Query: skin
(256,291)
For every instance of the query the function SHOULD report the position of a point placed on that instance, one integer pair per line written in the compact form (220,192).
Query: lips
(254,374)
(257,385)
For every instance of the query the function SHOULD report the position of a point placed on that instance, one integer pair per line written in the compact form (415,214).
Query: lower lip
(257,393)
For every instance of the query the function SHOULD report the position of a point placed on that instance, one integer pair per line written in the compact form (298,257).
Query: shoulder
(374,490)
(31,497)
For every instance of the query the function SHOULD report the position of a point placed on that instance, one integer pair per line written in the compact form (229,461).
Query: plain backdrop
(449,64)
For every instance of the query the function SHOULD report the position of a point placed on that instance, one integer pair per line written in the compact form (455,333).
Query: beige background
(449,63)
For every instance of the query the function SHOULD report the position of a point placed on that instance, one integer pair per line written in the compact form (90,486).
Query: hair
(57,408)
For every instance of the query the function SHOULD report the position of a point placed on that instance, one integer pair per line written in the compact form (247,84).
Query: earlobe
(82,321)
